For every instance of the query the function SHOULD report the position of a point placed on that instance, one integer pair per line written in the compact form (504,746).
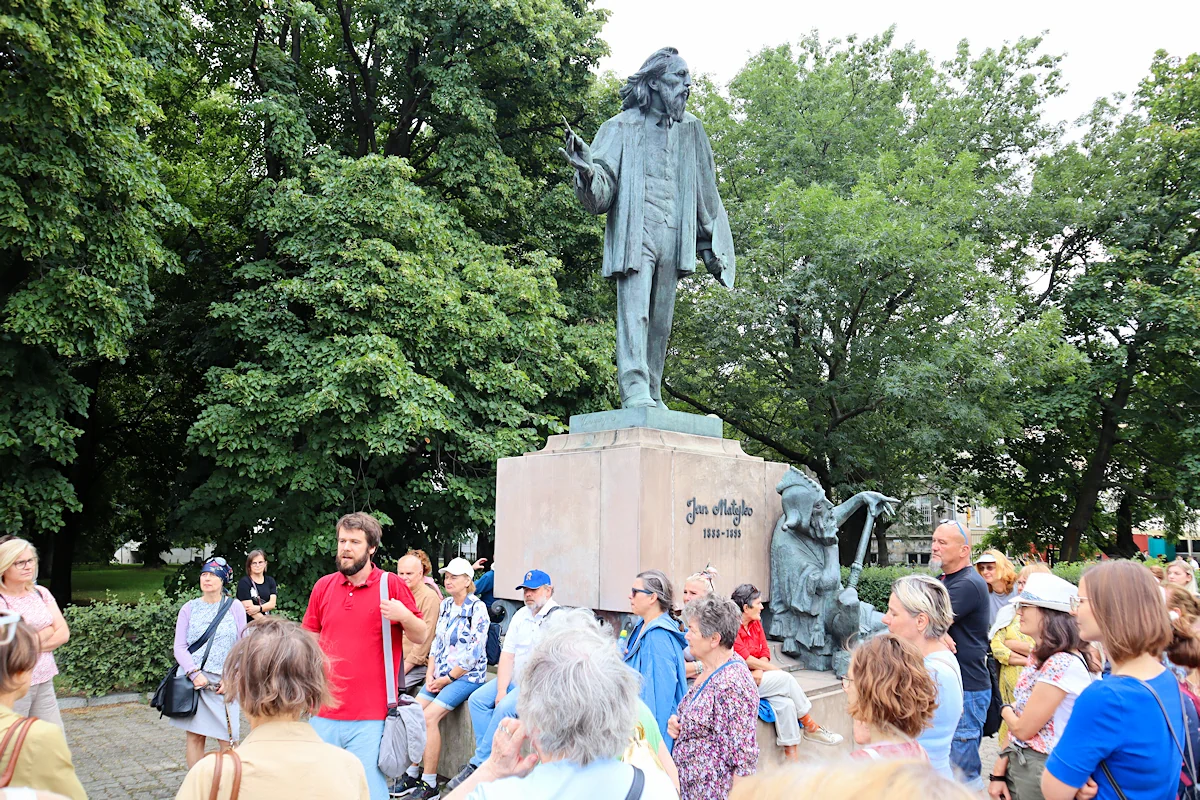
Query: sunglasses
(641,591)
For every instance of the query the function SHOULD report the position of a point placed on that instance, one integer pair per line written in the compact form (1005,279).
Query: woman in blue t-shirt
(1117,722)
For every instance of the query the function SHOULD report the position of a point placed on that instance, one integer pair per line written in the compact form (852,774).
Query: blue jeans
(964,749)
(486,716)
(361,739)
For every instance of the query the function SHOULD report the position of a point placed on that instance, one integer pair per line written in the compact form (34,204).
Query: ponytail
(1184,649)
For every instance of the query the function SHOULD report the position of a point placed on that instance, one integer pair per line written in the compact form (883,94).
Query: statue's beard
(675,104)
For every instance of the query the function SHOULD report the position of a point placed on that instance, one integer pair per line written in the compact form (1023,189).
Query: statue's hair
(636,91)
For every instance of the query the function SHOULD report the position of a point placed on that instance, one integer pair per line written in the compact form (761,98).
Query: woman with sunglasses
(1124,730)
(213,718)
(19,592)
(1058,671)
(43,761)
(654,648)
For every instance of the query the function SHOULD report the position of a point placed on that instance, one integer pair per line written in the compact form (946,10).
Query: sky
(1107,46)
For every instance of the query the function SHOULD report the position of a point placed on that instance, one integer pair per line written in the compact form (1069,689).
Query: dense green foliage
(263,265)
(118,647)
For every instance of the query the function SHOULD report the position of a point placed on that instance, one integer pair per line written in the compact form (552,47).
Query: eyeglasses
(1077,601)
(641,591)
(847,679)
(25,562)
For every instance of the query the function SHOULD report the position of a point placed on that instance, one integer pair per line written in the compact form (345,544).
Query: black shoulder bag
(177,696)
(1189,757)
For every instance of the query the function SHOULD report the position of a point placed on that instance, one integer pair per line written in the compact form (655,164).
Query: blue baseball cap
(535,579)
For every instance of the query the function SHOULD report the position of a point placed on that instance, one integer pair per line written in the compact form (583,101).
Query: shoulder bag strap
(1108,774)
(212,627)
(1190,769)
(389,674)
(23,725)
(236,788)
(639,781)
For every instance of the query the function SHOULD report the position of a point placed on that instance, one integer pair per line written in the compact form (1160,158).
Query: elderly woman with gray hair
(715,727)
(919,612)
(654,648)
(577,706)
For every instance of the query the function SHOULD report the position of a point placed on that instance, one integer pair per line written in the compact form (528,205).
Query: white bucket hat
(1047,591)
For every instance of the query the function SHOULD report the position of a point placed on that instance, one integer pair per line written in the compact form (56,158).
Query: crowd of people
(1096,685)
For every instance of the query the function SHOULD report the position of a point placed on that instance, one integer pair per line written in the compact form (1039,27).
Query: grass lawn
(124,581)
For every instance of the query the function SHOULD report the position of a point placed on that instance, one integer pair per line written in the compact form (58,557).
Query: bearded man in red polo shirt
(344,611)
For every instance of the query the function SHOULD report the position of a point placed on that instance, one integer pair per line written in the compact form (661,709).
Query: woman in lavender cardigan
(213,717)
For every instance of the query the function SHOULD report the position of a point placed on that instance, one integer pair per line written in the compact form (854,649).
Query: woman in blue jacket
(654,647)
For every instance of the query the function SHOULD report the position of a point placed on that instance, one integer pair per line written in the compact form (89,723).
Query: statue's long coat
(618,187)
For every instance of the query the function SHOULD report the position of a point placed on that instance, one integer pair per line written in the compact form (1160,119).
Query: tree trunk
(1125,545)
(1093,477)
(82,474)
(881,545)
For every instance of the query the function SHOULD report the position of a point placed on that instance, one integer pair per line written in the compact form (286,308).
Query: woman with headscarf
(213,717)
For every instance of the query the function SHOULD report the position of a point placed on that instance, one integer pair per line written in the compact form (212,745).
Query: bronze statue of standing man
(651,170)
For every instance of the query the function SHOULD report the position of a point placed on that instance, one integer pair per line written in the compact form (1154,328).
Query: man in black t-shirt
(951,551)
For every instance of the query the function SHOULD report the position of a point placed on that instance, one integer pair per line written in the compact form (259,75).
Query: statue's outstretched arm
(878,505)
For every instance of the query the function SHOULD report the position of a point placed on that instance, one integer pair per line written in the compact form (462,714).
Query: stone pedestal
(595,508)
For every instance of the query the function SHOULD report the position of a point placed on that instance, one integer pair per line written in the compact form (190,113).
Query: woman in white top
(919,612)
(1058,670)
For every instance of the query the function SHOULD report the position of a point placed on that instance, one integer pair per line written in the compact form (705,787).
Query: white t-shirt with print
(1064,671)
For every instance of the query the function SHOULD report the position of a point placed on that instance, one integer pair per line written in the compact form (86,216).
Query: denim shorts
(453,695)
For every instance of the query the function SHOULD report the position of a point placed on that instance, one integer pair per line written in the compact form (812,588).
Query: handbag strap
(389,674)
(236,789)
(639,781)
(1188,768)
(21,728)
(1116,787)
(212,627)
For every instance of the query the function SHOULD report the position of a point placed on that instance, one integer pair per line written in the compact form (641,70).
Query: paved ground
(125,752)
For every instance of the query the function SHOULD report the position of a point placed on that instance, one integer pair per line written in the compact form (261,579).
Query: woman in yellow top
(44,762)
(1011,647)
(278,673)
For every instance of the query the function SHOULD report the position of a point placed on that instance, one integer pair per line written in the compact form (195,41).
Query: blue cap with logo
(535,579)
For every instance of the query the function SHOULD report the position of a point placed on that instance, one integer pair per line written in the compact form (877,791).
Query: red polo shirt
(348,623)
(752,641)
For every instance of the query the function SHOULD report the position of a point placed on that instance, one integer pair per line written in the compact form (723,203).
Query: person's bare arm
(1019,646)
(1044,700)
(399,613)
(57,633)
(270,604)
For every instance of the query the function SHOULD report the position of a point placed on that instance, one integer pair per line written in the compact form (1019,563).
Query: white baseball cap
(458,566)
(986,558)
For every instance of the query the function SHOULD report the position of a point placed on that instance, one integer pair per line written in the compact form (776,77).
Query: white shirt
(603,780)
(524,632)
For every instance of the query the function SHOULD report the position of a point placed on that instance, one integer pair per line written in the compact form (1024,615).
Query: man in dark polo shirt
(951,551)
(344,610)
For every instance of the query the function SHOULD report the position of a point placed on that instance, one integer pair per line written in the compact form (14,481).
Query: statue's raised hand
(880,505)
(577,153)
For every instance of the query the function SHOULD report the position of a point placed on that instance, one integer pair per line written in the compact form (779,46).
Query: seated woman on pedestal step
(777,687)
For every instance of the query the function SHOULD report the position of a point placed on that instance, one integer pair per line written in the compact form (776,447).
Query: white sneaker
(822,735)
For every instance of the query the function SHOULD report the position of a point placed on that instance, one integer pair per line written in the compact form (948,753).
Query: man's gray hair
(714,614)
(923,594)
(657,581)
(636,91)
(577,696)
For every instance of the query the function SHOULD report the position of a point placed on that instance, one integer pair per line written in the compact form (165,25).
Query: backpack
(493,643)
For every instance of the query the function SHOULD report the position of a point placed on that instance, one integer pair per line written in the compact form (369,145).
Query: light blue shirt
(936,739)
(562,780)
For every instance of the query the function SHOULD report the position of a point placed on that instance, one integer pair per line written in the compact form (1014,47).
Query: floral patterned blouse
(717,724)
(1063,670)
(36,608)
(460,639)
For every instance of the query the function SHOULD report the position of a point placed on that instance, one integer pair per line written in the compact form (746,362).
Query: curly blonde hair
(845,779)
(893,689)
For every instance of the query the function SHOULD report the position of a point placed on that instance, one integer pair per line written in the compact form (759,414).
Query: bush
(118,647)
(875,583)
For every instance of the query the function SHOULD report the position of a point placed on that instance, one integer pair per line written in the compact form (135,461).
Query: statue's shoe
(822,735)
